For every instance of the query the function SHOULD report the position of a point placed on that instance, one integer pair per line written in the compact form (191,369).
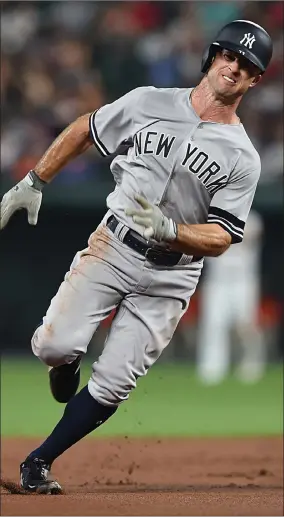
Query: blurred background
(62,59)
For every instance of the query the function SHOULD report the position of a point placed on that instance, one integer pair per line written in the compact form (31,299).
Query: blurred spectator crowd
(62,59)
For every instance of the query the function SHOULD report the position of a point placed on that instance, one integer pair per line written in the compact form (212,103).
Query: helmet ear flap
(208,58)
(204,61)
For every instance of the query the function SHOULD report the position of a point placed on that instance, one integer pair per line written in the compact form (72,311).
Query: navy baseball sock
(81,416)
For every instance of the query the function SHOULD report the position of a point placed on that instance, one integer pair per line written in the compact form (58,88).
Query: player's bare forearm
(27,194)
(209,240)
(72,142)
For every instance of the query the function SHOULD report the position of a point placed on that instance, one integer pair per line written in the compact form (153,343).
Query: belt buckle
(152,254)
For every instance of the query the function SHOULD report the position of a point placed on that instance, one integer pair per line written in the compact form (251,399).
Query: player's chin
(225,93)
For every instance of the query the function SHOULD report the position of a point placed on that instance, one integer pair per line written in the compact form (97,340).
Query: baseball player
(229,301)
(183,191)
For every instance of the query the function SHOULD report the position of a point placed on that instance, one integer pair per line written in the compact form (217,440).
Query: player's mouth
(229,79)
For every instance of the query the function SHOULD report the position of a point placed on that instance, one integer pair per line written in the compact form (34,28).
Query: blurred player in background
(230,299)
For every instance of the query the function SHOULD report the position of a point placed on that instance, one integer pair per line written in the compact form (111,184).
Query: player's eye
(247,66)
(229,57)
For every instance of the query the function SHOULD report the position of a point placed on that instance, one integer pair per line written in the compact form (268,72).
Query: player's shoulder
(249,154)
(156,99)
(156,92)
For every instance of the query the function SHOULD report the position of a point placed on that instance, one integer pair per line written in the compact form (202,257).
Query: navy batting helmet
(244,37)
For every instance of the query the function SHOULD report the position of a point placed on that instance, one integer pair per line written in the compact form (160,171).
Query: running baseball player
(183,191)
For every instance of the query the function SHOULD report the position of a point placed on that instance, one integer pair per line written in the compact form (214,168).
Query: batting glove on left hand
(156,224)
(22,195)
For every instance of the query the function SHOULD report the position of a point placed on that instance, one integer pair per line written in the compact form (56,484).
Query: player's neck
(210,108)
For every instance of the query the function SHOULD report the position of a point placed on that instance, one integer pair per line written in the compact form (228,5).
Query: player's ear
(255,80)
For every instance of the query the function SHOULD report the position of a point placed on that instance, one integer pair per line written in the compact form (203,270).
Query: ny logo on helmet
(248,40)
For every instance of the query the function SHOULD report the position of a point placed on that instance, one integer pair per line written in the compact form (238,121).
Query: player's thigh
(89,292)
(140,331)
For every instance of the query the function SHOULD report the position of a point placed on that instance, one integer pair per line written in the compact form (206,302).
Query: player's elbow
(222,243)
(219,251)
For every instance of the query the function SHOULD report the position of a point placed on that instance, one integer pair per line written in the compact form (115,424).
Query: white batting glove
(156,224)
(26,194)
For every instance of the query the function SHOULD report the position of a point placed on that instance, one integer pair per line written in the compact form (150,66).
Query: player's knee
(51,357)
(53,349)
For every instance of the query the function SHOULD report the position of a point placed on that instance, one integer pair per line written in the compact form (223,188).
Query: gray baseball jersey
(197,172)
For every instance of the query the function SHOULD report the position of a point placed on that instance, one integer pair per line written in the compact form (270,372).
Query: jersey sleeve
(231,205)
(114,123)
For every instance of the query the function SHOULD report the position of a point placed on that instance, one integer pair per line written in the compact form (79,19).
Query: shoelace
(44,473)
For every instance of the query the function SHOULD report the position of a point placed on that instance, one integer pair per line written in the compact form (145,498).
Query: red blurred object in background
(146,14)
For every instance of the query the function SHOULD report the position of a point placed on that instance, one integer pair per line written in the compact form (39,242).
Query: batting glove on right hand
(156,224)
(23,195)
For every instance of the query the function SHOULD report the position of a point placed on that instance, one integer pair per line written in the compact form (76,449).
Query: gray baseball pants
(150,301)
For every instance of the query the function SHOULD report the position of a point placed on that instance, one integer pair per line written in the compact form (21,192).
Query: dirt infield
(155,477)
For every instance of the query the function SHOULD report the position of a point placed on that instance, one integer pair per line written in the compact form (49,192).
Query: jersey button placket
(192,135)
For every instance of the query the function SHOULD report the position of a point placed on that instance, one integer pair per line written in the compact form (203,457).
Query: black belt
(155,255)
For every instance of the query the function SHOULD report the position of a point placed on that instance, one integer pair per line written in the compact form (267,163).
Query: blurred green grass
(169,401)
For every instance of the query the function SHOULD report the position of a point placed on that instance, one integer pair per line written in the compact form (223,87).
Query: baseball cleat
(34,477)
(64,380)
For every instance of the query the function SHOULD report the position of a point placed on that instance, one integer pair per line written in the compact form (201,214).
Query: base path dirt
(153,477)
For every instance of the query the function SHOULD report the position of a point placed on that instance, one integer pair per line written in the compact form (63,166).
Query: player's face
(231,74)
